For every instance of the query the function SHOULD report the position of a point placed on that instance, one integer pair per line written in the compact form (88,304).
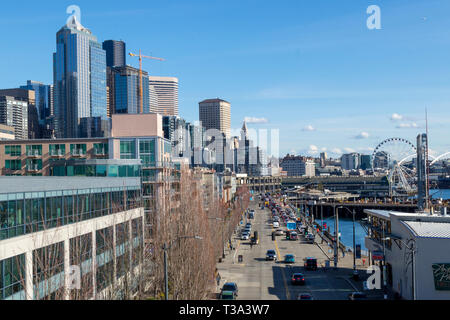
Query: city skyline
(376,90)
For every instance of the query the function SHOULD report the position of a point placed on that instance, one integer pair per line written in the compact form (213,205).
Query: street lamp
(354,245)
(412,249)
(166,248)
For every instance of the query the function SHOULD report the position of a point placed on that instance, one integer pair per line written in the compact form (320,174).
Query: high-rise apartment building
(14,113)
(28,96)
(216,114)
(164,95)
(115,53)
(79,83)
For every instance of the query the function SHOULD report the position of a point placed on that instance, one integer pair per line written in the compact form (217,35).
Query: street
(259,279)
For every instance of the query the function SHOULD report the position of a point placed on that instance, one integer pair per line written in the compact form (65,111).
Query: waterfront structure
(350,161)
(163,95)
(216,114)
(6,132)
(297,166)
(412,247)
(124,88)
(14,113)
(79,83)
(50,226)
(116,55)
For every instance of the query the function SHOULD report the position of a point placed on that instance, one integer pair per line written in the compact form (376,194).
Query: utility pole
(354,243)
(336,236)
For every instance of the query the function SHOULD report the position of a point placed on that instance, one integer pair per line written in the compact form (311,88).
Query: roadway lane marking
(282,270)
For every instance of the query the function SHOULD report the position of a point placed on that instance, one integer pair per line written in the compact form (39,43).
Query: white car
(276,224)
(245,236)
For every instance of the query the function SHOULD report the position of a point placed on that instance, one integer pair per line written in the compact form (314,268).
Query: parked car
(311,263)
(305,296)
(276,224)
(279,232)
(230,286)
(298,278)
(245,236)
(357,296)
(271,255)
(310,237)
(289,258)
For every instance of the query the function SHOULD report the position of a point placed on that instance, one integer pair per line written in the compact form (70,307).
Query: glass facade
(126,86)
(98,80)
(12,273)
(23,213)
(128,149)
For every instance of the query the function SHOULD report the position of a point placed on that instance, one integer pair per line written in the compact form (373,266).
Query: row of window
(23,216)
(56,149)
(48,263)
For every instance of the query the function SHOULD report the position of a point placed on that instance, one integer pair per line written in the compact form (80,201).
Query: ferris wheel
(395,157)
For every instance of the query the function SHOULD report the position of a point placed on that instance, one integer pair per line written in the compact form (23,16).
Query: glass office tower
(79,81)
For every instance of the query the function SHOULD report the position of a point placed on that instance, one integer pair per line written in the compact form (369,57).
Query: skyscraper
(123,83)
(79,83)
(43,102)
(115,53)
(422,192)
(14,113)
(164,95)
(31,130)
(216,114)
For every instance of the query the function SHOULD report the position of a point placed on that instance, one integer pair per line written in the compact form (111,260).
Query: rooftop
(19,184)
(213,101)
(429,229)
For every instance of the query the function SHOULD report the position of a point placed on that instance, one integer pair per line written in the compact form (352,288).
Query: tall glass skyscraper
(43,101)
(79,82)
(126,90)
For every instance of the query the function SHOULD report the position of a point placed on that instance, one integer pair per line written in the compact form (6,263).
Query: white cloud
(255,120)
(313,149)
(405,125)
(396,117)
(362,135)
(336,150)
(349,150)
(309,128)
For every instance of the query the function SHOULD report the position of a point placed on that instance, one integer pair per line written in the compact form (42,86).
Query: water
(440,193)
(346,230)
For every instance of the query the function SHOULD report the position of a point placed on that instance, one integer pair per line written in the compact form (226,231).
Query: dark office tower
(115,53)
(422,192)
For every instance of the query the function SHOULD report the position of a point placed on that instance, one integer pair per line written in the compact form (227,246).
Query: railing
(56,153)
(77,153)
(33,153)
(33,167)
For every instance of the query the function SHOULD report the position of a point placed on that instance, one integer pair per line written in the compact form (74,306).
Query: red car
(298,278)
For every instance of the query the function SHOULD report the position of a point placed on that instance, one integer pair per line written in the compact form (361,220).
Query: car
(227,295)
(276,218)
(289,258)
(310,237)
(293,235)
(276,224)
(357,296)
(248,225)
(310,263)
(245,236)
(298,278)
(230,286)
(279,232)
(271,255)
(305,296)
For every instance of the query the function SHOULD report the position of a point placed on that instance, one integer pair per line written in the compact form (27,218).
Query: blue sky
(310,69)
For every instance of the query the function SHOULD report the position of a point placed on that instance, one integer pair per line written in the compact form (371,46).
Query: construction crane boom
(141,92)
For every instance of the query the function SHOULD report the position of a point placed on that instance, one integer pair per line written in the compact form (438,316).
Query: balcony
(33,168)
(56,154)
(78,153)
(100,153)
(33,154)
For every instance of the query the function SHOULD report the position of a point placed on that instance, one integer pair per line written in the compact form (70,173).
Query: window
(13,151)
(78,149)
(127,149)
(34,150)
(57,149)
(12,277)
(13,164)
(100,149)
(34,164)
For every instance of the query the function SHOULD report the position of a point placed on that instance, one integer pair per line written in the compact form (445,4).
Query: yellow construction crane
(141,92)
